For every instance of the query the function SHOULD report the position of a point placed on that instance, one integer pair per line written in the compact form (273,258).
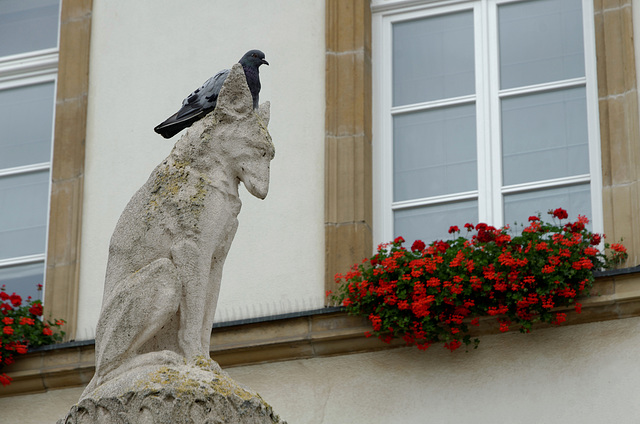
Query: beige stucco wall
(146,56)
(584,374)
(578,374)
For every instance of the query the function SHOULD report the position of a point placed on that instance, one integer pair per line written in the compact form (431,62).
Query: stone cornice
(320,333)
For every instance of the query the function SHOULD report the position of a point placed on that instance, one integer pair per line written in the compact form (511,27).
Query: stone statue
(164,270)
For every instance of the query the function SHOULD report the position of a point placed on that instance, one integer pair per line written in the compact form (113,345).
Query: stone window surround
(348,208)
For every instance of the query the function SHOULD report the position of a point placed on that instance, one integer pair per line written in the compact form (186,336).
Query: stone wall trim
(292,338)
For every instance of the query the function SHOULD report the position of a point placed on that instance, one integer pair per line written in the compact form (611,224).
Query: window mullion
(593,117)
(383,130)
(494,144)
(483,111)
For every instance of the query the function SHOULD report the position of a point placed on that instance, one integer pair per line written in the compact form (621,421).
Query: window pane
(433,58)
(434,152)
(28,25)
(23,280)
(540,41)
(26,115)
(431,223)
(575,200)
(23,226)
(544,136)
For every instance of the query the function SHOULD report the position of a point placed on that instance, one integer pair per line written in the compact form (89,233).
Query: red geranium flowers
(22,327)
(430,294)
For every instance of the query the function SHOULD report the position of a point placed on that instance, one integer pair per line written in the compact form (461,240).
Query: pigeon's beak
(264,62)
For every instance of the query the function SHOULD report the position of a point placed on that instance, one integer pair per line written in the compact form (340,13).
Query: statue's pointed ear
(264,110)
(234,98)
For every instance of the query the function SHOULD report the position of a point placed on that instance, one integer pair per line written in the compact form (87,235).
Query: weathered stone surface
(172,395)
(164,273)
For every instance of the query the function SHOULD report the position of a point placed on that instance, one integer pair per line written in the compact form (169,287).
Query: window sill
(325,332)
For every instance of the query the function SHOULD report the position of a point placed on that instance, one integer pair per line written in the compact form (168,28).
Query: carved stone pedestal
(173,395)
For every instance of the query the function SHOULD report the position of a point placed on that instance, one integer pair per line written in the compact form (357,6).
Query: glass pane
(26,116)
(433,58)
(429,223)
(575,200)
(434,152)
(544,136)
(28,25)
(23,280)
(540,41)
(24,200)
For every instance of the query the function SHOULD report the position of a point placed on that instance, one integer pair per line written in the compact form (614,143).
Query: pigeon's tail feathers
(177,122)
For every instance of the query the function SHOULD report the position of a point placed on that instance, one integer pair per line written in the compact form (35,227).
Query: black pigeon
(203,100)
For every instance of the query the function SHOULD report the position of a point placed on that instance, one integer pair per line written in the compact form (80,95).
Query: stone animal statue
(170,243)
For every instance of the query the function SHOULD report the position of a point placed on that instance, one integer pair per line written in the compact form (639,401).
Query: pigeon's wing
(205,97)
(195,106)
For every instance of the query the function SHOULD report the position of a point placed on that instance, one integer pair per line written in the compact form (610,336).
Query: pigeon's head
(253,59)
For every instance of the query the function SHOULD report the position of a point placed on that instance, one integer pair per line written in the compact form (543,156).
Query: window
(484,111)
(28,66)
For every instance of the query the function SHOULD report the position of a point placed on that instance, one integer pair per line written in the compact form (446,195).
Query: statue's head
(252,153)
(240,132)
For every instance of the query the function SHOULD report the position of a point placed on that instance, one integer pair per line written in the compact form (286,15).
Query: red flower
(548,269)
(7,321)
(21,349)
(454,229)
(398,240)
(485,236)
(36,309)
(560,213)
(596,239)
(376,322)
(453,345)
(533,218)
(418,246)
(27,321)
(5,379)
(15,300)
(468,226)
(560,318)
(617,247)
(47,331)
(442,246)
(7,330)
(578,307)
(575,226)
(3,295)
(590,251)
(423,346)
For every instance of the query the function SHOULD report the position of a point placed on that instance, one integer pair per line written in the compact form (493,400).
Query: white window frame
(490,191)
(23,70)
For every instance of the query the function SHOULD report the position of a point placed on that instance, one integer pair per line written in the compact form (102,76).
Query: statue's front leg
(194,268)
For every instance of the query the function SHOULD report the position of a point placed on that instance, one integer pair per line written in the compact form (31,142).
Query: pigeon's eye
(254,55)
